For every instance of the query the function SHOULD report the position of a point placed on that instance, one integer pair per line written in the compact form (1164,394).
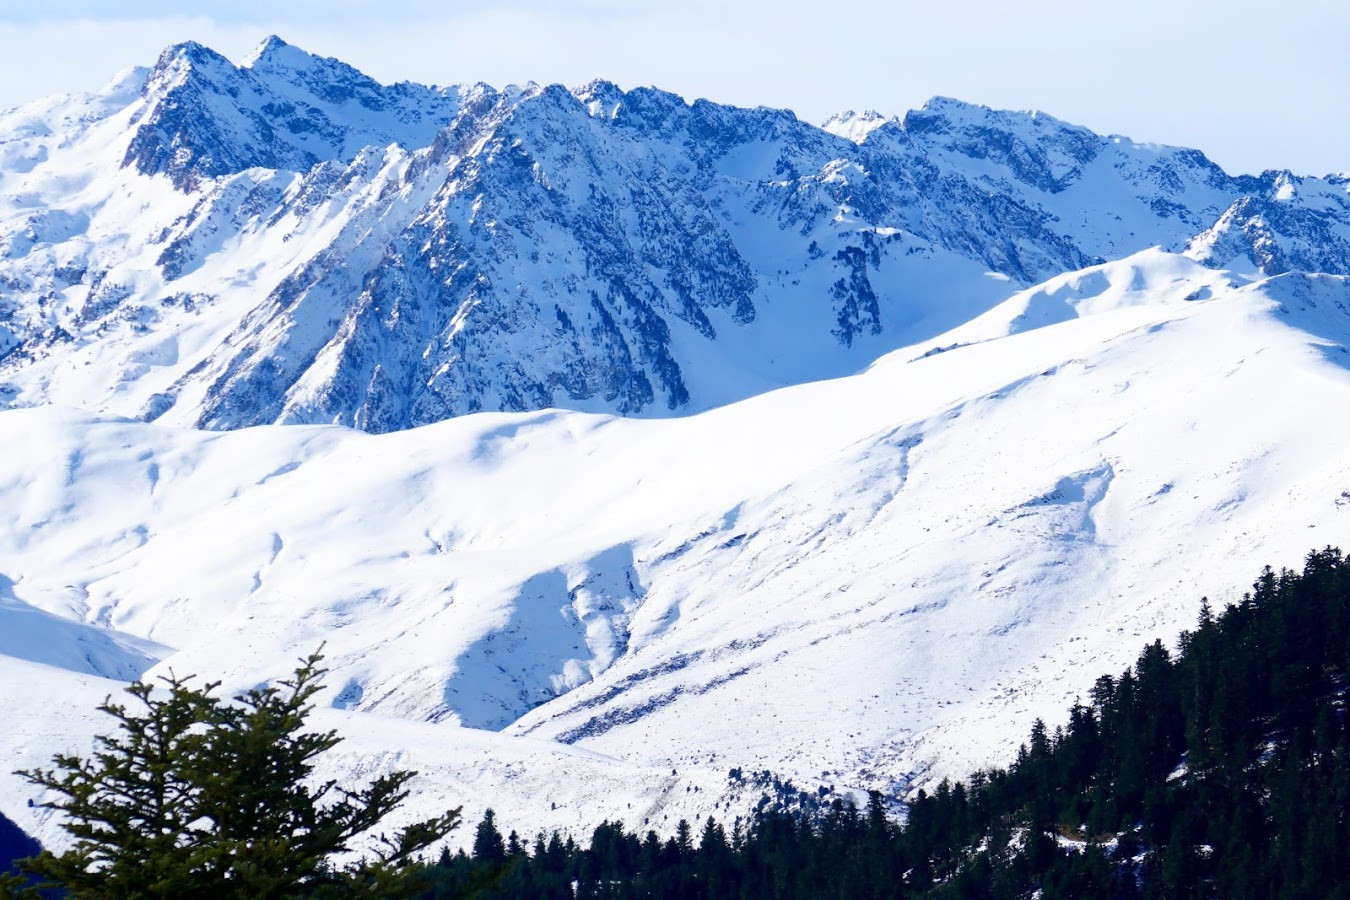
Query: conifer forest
(1220,769)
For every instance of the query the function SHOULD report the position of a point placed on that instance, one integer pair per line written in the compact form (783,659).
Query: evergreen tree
(190,796)
(488,846)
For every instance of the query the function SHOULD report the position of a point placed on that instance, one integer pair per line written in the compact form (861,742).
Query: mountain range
(613,443)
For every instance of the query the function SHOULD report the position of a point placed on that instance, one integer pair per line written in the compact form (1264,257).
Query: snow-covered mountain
(288,241)
(1072,384)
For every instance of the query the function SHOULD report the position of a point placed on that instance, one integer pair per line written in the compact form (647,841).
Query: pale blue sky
(1253,84)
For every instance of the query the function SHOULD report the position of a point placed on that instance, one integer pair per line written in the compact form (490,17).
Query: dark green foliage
(488,846)
(1222,770)
(194,797)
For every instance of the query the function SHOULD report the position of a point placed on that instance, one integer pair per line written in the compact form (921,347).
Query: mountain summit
(289,241)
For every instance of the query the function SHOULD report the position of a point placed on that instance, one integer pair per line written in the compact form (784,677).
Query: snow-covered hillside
(288,241)
(840,452)
(863,582)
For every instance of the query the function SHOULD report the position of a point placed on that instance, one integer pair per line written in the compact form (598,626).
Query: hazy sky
(1254,85)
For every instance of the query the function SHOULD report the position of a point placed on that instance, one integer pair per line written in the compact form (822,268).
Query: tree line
(1220,769)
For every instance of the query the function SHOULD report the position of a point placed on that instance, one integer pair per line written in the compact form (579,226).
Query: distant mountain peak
(597,87)
(629,252)
(284,108)
(959,114)
(276,55)
(854,126)
(602,98)
(187,59)
(326,76)
(269,46)
(190,50)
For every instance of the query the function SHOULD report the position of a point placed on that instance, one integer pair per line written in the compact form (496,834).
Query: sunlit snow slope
(864,582)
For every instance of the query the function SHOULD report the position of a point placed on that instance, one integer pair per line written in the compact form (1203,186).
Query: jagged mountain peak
(1026,141)
(192,53)
(331,79)
(600,96)
(957,110)
(611,250)
(284,108)
(854,126)
(940,113)
(276,58)
(186,60)
(272,47)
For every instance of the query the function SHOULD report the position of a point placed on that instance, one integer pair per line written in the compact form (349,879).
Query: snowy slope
(864,582)
(475,770)
(287,241)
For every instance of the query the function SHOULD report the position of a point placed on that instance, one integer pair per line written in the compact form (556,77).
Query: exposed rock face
(289,241)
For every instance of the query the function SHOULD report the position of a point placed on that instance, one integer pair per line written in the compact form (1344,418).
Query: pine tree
(488,845)
(190,796)
(130,805)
